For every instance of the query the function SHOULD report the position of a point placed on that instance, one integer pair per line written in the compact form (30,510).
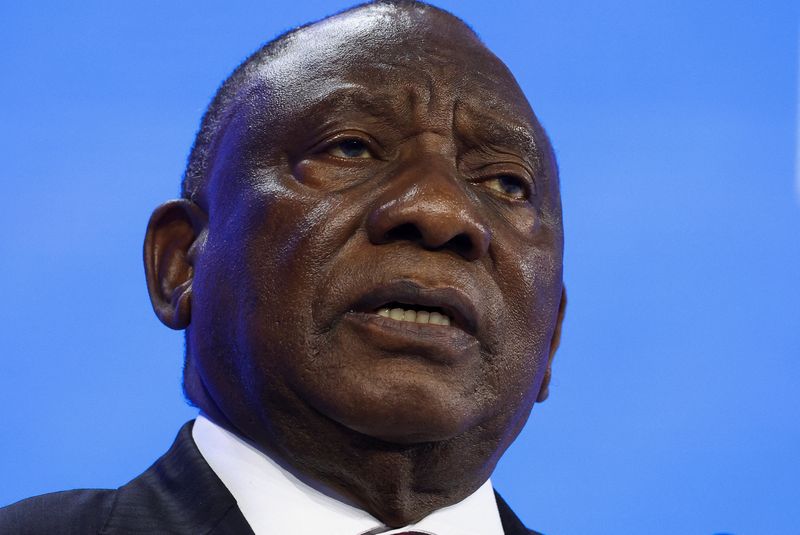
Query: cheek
(254,271)
(285,243)
(531,286)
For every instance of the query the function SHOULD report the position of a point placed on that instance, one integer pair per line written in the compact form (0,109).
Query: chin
(410,419)
(413,434)
(401,395)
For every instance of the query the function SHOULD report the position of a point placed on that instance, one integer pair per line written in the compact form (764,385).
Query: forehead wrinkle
(322,106)
(356,97)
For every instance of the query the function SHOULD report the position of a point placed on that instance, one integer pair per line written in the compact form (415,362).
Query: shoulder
(69,512)
(179,493)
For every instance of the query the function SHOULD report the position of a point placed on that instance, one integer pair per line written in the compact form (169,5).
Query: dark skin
(384,159)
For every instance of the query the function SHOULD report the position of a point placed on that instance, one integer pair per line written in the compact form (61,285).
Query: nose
(428,204)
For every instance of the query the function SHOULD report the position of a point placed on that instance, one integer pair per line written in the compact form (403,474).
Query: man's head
(381,159)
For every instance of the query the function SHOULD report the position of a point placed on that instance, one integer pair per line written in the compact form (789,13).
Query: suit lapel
(178,494)
(512,525)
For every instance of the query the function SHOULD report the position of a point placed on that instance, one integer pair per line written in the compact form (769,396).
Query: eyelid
(513,169)
(330,141)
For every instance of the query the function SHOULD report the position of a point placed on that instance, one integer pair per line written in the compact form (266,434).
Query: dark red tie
(401,533)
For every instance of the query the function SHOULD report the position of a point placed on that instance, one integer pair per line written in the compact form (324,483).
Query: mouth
(410,302)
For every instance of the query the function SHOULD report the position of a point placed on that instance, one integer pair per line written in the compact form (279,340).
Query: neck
(399,484)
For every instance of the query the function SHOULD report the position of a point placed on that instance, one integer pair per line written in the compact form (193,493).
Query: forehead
(392,54)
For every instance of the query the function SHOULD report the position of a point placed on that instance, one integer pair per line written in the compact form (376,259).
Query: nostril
(462,244)
(406,231)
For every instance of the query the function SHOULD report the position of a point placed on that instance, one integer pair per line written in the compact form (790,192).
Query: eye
(350,148)
(508,185)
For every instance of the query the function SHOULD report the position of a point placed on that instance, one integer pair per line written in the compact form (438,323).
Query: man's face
(379,165)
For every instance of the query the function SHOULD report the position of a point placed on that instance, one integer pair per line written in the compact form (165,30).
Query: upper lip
(452,300)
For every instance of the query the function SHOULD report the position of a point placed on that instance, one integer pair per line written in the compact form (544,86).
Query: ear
(544,390)
(174,238)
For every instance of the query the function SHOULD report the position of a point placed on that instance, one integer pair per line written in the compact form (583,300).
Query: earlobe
(173,241)
(544,389)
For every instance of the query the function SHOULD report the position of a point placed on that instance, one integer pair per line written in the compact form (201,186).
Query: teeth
(414,316)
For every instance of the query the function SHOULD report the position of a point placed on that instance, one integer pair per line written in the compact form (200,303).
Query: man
(367,260)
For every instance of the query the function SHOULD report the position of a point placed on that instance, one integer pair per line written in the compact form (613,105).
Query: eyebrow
(502,132)
(357,98)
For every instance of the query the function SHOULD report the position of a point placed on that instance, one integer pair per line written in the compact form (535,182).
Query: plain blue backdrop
(676,394)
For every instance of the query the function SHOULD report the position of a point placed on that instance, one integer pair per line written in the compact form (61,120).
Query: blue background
(675,400)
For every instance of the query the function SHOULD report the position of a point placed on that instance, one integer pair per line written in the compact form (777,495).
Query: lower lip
(440,343)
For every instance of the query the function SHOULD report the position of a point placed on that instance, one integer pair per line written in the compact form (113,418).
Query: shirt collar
(275,501)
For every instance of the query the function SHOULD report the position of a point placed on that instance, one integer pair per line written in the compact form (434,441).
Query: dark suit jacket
(179,494)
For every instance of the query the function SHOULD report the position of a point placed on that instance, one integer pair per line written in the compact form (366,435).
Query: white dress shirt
(275,502)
